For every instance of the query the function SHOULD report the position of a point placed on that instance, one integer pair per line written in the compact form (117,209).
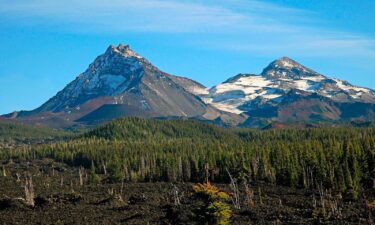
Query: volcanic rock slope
(287,91)
(122,83)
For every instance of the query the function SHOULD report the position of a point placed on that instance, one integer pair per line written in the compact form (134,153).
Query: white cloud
(153,15)
(251,25)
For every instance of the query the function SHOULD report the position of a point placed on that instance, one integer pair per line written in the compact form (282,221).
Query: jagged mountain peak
(118,69)
(123,50)
(120,82)
(287,68)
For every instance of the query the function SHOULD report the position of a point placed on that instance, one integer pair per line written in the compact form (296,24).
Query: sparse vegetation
(210,207)
(324,169)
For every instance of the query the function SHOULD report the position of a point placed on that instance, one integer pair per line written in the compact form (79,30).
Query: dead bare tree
(255,165)
(29,191)
(80,172)
(260,196)
(71,186)
(206,173)
(176,195)
(249,196)
(236,193)
(4,172)
(111,191)
(104,168)
(314,201)
(122,187)
(321,194)
(18,177)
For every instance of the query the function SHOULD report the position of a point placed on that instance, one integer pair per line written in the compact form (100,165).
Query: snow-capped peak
(245,92)
(287,68)
(286,62)
(109,75)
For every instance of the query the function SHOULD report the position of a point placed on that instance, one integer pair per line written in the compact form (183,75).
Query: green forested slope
(150,150)
(133,128)
(18,132)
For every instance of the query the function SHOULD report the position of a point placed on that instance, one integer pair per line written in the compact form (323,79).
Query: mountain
(287,91)
(122,83)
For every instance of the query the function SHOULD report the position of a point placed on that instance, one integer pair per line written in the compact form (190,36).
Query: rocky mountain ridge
(122,83)
(277,83)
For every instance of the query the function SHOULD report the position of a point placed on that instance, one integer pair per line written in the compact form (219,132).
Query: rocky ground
(61,197)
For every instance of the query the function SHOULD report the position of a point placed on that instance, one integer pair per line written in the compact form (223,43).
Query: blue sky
(44,44)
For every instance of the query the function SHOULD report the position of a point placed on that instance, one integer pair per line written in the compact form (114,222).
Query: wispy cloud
(303,45)
(252,25)
(124,15)
(153,15)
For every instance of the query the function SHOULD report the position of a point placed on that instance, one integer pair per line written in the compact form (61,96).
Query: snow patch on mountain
(198,90)
(287,64)
(248,85)
(347,87)
(248,90)
(227,108)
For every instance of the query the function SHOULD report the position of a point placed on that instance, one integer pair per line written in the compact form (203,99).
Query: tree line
(143,150)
